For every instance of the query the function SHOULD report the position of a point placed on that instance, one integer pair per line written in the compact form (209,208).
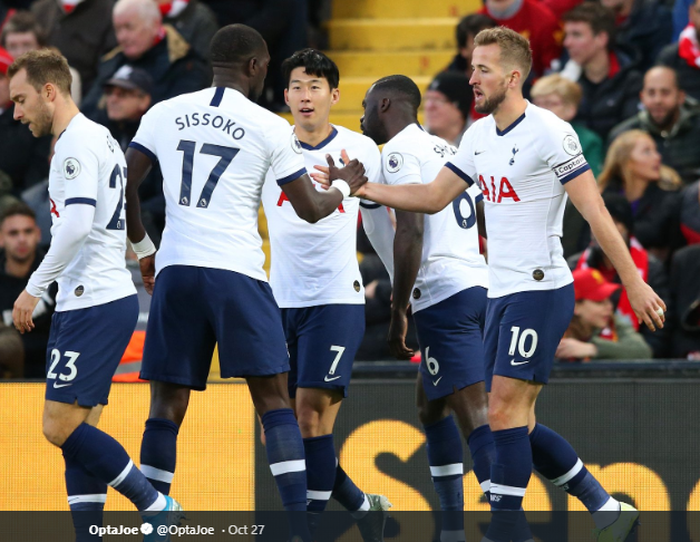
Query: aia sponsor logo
(496,191)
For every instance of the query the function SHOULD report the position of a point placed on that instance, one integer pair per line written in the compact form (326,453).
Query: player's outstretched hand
(148,272)
(23,310)
(648,306)
(397,337)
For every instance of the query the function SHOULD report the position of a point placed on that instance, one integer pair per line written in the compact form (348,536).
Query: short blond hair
(515,48)
(44,66)
(569,91)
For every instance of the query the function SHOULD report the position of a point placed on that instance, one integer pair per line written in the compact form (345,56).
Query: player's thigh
(451,342)
(329,338)
(530,328)
(248,325)
(180,338)
(84,349)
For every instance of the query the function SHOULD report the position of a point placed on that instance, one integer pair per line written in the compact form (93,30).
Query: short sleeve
(462,163)
(400,168)
(562,151)
(146,136)
(80,166)
(286,157)
(373,164)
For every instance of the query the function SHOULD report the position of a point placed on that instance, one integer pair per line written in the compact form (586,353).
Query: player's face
(370,124)
(580,41)
(19,236)
(645,161)
(661,97)
(30,107)
(595,313)
(310,98)
(489,79)
(18,43)
(440,113)
(134,34)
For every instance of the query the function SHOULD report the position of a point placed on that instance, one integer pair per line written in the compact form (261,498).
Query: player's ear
(49,92)
(335,96)
(385,104)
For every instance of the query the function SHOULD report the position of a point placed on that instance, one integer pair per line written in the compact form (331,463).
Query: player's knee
(55,432)
(430,412)
(309,421)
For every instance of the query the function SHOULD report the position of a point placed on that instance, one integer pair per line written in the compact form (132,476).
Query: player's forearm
(320,205)
(138,166)
(416,198)
(408,252)
(135,230)
(75,228)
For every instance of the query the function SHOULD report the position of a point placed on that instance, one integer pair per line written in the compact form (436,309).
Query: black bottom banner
(338,526)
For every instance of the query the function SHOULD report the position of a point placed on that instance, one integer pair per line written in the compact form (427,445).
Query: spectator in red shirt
(533,20)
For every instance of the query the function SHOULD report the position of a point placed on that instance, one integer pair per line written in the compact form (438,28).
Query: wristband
(341,186)
(144,247)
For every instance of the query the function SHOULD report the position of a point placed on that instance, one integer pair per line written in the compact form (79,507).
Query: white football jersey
(451,261)
(88,167)
(316,264)
(215,147)
(521,172)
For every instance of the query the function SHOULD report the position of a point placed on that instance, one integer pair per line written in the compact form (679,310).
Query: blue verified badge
(394,162)
(71,168)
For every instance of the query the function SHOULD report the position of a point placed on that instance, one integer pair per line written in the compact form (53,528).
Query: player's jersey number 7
(227,154)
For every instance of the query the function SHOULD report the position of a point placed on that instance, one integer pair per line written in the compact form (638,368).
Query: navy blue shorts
(84,349)
(322,344)
(523,331)
(450,336)
(193,308)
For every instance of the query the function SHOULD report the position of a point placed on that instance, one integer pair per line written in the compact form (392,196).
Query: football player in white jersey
(316,280)
(441,274)
(215,147)
(526,161)
(96,306)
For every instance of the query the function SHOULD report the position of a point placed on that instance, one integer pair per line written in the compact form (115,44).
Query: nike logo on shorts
(516,363)
(326,379)
(56,385)
(436,382)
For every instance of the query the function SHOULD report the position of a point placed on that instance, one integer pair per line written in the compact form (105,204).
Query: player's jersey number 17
(226,155)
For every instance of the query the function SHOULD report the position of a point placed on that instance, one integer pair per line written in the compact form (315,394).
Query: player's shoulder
(83,135)
(543,120)
(355,141)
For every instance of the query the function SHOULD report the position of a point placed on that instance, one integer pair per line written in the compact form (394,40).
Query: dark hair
(21,22)
(471,25)
(597,16)
(235,43)
(400,86)
(44,66)
(17,209)
(314,63)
